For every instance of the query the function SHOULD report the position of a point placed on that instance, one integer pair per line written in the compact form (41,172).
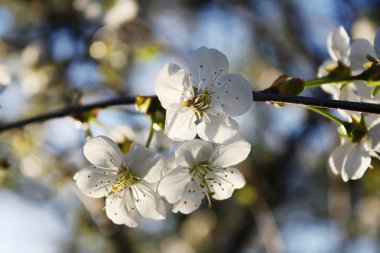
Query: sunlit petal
(169,85)
(338,45)
(217,128)
(180,124)
(103,152)
(94,182)
(225,182)
(206,64)
(173,184)
(190,153)
(230,154)
(357,162)
(234,94)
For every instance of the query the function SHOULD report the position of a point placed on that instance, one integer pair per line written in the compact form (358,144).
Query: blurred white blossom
(352,158)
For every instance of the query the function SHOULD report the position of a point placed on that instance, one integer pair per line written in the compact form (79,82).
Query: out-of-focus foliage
(61,52)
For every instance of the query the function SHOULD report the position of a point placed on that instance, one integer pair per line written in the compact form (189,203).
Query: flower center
(124,180)
(200,171)
(200,102)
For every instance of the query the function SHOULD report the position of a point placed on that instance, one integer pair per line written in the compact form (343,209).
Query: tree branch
(258,96)
(71,110)
(317,102)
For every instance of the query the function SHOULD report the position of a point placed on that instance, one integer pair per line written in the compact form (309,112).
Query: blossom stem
(319,81)
(150,136)
(326,114)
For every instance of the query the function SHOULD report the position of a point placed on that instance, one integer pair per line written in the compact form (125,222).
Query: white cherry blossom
(359,52)
(352,159)
(202,101)
(338,46)
(203,170)
(128,182)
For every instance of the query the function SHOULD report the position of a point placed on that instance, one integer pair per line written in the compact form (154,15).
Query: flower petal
(121,209)
(170,85)
(145,163)
(191,198)
(338,156)
(173,184)
(193,152)
(94,182)
(357,162)
(364,92)
(180,124)
(234,94)
(225,182)
(206,65)
(146,201)
(103,152)
(231,154)
(217,128)
(360,48)
(377,43)
(338,45)
(374,135)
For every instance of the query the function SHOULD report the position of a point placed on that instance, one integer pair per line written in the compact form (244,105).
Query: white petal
(146,201)
(225,182)
(348,92)
(180,124)
(371,120)
(363,90)
(103,152)
(357,162)
(145,163)
(231,154)
(234,94)
(377,43)
(374,135)
(338,45)
(193,152)
(170,85)
(360,48)
(121,209)
(94,182)
(217,128)
(338,156)
(333,90)
(191,198)
(206,65)
(173,184)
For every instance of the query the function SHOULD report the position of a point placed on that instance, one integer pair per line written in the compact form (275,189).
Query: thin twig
(71,110)
(318,102)
(258,96)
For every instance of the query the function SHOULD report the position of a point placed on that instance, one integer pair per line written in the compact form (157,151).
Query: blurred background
(57,53)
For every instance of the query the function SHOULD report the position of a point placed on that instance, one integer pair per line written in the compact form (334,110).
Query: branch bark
(258,96)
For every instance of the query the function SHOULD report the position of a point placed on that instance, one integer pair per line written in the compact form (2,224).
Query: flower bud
(287,85)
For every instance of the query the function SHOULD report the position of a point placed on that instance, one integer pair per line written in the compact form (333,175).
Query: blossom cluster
(360,141)
(198,103)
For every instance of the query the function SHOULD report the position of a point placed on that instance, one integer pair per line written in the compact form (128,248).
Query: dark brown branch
(257,97)
(317,102)
(71,110)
